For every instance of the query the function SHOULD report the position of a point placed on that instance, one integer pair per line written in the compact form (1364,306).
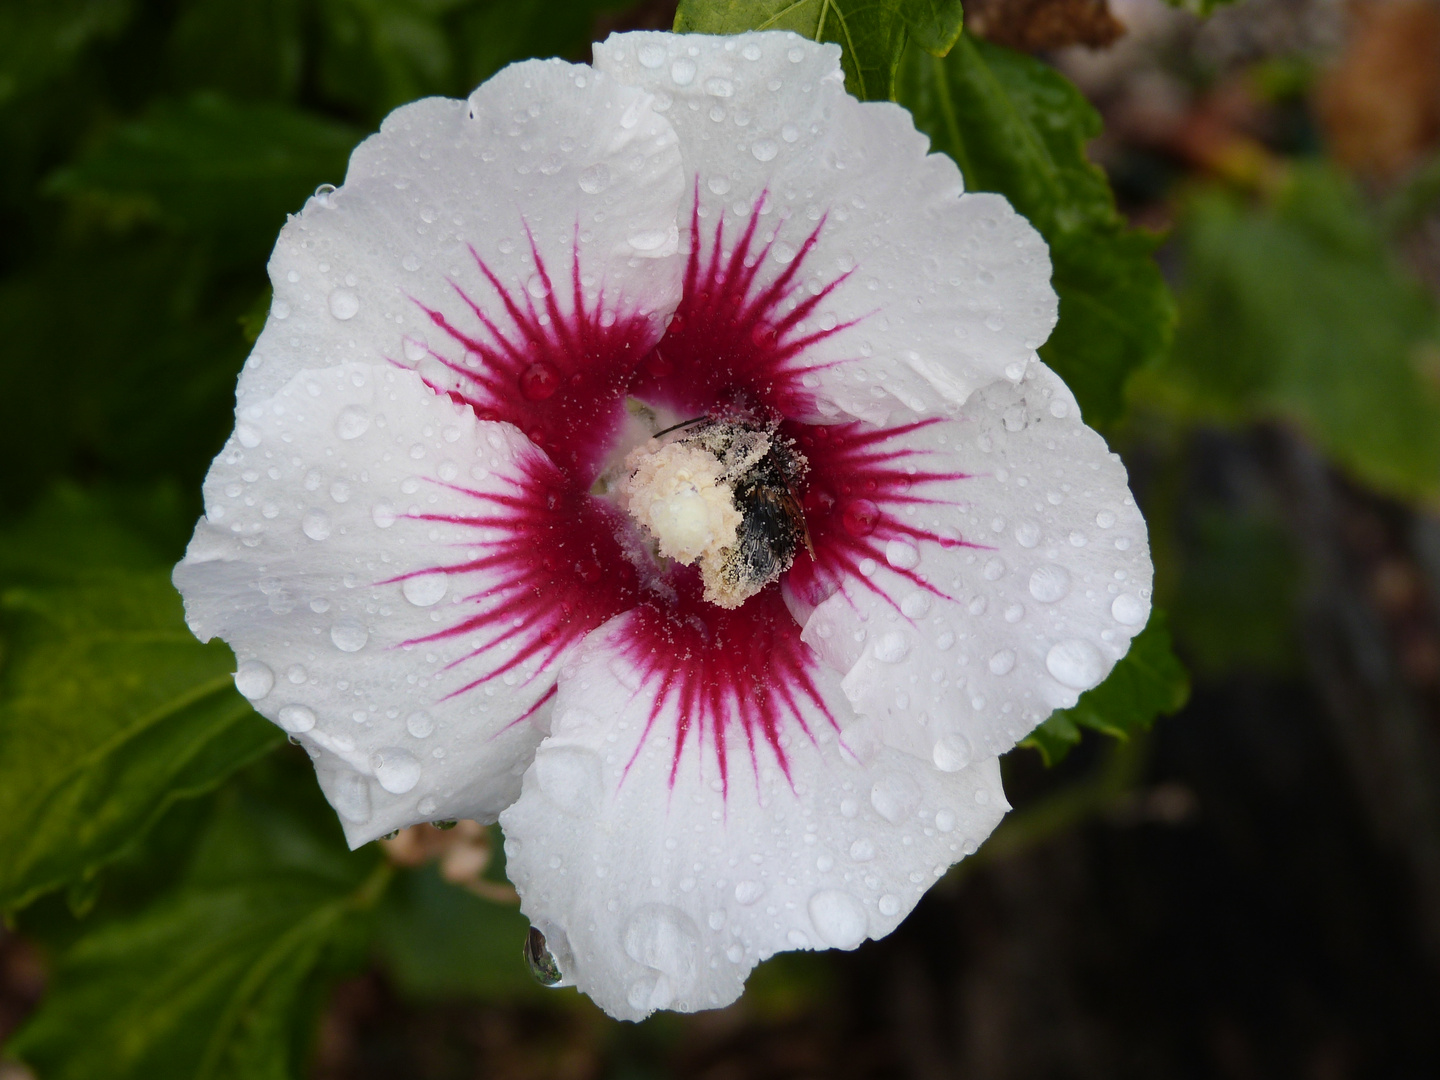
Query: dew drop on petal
(539,381)
(349,635)
(747,892)
(862,850)
(248,436)
(297,719)
(570,777)
(764,150)
(1002,662)
(383,515)
(537,286)
(651,55)
(1049,583)
(315,525)
(541,962)
(344,304)
(859,517)
(895,797)
(734,954)
(951,752)
(1075,663)
(889,905)
(916,605)
(892,647)
(902,555)
(1027,534)
(945,820)
(595,178)
(839,918)
(420,724)
(349,793)
(1129,610)
(254,679)
(426,590)
(682,71)
(414,349)
(397,770)
(1105,519)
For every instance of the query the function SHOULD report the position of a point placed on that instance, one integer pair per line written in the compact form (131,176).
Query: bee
(767,474)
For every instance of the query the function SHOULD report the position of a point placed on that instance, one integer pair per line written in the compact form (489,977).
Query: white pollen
(678,493)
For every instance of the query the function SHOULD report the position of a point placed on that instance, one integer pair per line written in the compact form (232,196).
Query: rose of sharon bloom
(732,688)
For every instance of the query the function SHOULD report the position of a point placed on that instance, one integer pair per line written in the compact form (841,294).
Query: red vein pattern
(560,562)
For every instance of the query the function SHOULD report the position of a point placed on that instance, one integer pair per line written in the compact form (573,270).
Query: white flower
(425,545)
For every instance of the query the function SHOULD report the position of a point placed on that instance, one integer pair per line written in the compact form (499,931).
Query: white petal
(656,895)
(312,563)
(947,293)
(553,148)
(958,652)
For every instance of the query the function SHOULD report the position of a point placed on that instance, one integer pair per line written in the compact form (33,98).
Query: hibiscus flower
(654,455)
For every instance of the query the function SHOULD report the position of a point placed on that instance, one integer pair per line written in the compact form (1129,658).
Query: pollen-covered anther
(679,493)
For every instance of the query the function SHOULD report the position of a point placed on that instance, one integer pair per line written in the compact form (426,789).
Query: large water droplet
(397,770)
(889,905)
(902,554)
(349,635)
(349,793)
(720,88)
(892,647)
(1049,583)
(951,752)
(1002,662)
(344,304)
(839,918)
(539,381)
(1027,534)
(651,55)
(1129,610)
(352,422)
(859,517)
(297,719)
(383,514)
(420,724)
(916,605)
(426,590)
(254,679)
(664,939)
(682,71)
(541,961)
(747,892)
(570,777)
(315,525)
(895,797)
(1075,663)
(764,149)
(862,850)
(595,178)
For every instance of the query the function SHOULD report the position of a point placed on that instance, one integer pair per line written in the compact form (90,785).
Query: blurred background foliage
(1243,209)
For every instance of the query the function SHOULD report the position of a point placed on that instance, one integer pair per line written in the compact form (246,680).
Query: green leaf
(43,39)
(871,33)
(1201,7)
(252,50)
(1016,126)
(206,165)
(1297,310)
(497,32)
(218,980)
(1149,681)
(110,710)
(378,54)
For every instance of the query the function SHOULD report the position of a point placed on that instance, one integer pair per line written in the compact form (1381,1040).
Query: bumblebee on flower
(733,687)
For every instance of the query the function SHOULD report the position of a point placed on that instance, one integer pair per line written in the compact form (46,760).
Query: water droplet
(315,525)
(892,647)
(297,719)
(427,806)
(349,635)
(1105,519)
(1075,663)
(541,961)
(862,850)
(1059,408)
(895,797)
(916,605)
(1002,662)
(1078,539)
(682,71)
(571,778)
(651,55)
(734,954)
(838,918)
(247,435)
(383,514)
(994,570)
(297,674)
(649,241)
(426,590)
(1049,583)
(415,348)
(951,752)
(889,905)
(1027,534)
(254,679)
(747,892)
(721,88)
(349,793)
(595,178)
(539,381)
(718,184)
(1129,610)
(902,554)
(751,52)
(945,820)
(537,286)
(664,939)
(420,724)
(765,150)
(397,770)
(344,304)
(859,517)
